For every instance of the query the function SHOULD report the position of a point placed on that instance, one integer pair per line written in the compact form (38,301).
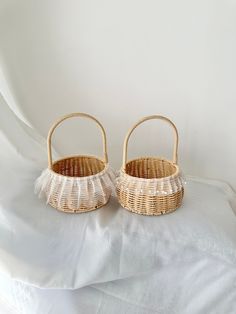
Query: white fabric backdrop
(110,260)
(118,64)
(121,60)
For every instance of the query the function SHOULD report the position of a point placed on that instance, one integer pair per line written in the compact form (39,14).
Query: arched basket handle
(72,115)
(125,146)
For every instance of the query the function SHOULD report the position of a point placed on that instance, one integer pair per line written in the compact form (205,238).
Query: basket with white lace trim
(76,184)
(150,185)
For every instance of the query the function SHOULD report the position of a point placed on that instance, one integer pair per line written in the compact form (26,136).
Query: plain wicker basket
(149,185)
(76,184)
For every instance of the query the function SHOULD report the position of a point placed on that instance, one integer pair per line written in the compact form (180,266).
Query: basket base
(79,210)
(157,213)
(150,206)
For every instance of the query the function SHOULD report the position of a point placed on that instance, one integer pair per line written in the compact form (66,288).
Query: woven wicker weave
(149,185)
(76,184)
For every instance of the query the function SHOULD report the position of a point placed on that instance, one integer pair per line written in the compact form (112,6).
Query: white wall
(121,60)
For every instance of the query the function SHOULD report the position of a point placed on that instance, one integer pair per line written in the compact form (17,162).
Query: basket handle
(125,146)
(76,114)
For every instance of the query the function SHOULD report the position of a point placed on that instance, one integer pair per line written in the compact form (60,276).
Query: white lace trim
(75,191)
(156,186)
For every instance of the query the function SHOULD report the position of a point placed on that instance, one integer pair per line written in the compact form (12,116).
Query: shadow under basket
(150,185)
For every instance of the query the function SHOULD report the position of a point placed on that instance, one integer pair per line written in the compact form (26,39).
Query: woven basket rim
(174,175)
(100,173)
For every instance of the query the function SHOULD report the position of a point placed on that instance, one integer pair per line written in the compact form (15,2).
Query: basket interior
(78,166)
(150,168)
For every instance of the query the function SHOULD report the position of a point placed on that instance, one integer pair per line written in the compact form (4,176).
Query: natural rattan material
(78,166)
(142,205)
(149,185)
(76,184)
(150,168)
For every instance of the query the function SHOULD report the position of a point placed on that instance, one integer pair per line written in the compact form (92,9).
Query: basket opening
(150,168)
(78,166)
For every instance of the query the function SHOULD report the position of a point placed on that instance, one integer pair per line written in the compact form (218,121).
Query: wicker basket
(149,185)
(76,184)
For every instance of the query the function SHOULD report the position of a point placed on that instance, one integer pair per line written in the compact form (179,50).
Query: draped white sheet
(109,260)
